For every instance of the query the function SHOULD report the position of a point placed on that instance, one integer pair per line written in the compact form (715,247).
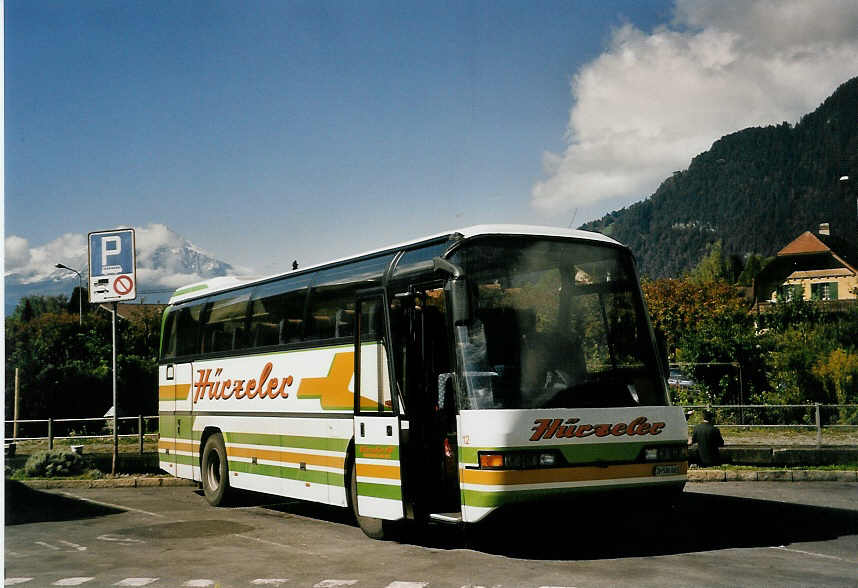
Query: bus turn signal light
(491,460)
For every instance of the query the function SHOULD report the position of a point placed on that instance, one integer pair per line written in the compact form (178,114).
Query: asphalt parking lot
(729,533)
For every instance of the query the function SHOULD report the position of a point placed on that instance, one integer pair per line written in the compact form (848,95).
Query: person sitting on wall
(708,439)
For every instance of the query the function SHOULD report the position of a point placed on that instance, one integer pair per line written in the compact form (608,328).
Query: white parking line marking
(200,582)
(13,581)
(269,581)
(76,581)
(111,505)
(136,581)
(398,584)
(74,545)
(822,555)
(118,538)
(290,547)
(335,583)
(48,545)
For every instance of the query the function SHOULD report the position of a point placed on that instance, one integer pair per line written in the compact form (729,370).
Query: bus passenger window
(188,330)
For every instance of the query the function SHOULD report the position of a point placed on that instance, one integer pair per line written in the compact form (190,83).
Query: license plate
(666,470)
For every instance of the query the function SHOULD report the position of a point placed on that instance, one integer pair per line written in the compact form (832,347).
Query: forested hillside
(754,190)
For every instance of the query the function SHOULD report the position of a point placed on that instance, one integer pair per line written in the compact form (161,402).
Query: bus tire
(371,526)
(215,470)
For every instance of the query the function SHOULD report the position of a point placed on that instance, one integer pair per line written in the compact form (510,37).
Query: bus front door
(177,454)
(377,469)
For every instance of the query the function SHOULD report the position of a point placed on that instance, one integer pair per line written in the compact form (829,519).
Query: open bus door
(376,476)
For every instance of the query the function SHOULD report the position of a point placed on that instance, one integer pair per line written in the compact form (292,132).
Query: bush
(56,462)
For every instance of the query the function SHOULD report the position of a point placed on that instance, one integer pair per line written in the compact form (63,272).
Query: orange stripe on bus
(189,446)
(555,475)
(377,471)
(174,392)
(287,456)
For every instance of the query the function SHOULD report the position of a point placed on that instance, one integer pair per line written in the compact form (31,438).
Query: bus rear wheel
(215,470)
(372,527)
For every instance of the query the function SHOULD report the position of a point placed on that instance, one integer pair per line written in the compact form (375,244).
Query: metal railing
(816,417)
(786,416)
(140,427)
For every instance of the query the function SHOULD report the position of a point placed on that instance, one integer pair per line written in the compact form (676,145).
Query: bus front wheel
(215,470)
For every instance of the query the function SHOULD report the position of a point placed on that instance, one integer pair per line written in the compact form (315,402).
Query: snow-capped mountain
(165,261)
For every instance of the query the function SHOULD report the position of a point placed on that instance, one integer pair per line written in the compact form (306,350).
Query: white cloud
(652,101)
(17,252)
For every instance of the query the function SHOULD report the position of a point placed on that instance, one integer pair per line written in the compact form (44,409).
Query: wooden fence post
(50,433)
(140,431)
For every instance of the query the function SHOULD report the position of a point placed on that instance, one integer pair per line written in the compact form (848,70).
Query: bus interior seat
(265,334)
(290,330)
(344,323)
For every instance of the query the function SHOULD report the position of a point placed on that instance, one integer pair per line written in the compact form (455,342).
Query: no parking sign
(112,266)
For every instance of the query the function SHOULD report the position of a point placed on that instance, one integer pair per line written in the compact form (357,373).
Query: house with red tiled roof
(814,266)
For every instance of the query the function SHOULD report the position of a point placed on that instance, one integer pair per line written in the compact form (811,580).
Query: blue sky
(268,131)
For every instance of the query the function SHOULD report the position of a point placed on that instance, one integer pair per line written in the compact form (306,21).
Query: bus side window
(188,330)
(224,328)
(168,344)
(371,315)
(332,299)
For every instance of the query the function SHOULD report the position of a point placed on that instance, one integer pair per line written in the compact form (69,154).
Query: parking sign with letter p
(112,266)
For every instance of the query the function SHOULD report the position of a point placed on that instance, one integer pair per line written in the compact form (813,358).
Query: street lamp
(79,291)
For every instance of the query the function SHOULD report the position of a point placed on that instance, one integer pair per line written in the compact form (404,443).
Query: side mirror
(457,289)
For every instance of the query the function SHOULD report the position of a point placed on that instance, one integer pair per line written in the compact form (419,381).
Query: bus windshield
(554,324)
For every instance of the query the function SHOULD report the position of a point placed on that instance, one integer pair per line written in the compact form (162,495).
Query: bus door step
(446,517)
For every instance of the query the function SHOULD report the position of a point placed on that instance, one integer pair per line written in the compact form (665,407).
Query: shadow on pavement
(26,505)
(601,529)
(288,506)
(700,522)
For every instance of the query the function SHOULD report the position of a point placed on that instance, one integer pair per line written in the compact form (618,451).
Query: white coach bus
(442,378)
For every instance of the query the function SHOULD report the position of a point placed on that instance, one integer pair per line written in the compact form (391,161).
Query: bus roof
(220,284)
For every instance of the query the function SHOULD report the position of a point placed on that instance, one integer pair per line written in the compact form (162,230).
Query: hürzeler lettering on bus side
(548,428)
(261,387)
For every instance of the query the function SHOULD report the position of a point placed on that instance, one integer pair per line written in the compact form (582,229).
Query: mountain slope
(755,190)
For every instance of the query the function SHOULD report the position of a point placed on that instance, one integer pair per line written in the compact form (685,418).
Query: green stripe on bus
(390,452)
(167,427)
(191,289)
(379,490)
(493,499)
(184,459)
(273,471)
(574,454)
(287,441)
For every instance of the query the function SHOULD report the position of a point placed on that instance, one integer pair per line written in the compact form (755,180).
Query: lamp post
(79,291)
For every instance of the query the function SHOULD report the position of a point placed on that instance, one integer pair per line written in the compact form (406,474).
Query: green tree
(65,367)
(713,267)
(839,371)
